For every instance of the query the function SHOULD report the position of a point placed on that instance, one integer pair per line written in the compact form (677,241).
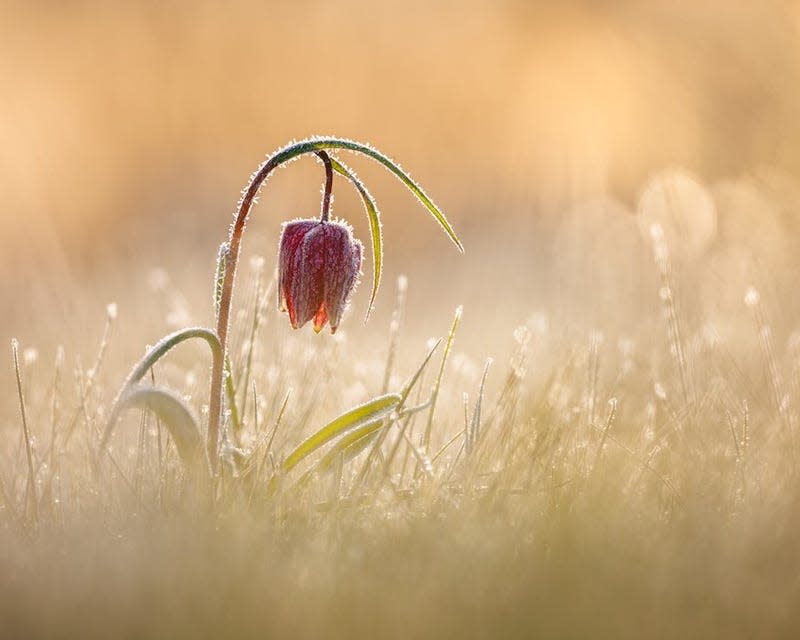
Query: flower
(318,267)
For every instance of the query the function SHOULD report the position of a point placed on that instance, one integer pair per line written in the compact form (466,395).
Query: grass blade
(34,500)
(161,348)
(347,447)
(476,413)
(177,416)
(219,276)
(345,423)
(448,345)
(373,214)
(415,378)
(320,144)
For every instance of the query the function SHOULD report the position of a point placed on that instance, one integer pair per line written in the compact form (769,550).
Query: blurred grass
(126,132)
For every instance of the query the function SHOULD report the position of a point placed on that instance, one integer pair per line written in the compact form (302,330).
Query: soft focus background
(570,144)
(128,129)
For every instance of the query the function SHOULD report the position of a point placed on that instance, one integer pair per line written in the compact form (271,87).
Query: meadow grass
(601,486)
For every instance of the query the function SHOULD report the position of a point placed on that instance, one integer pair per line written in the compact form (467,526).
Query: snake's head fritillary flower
(318,267)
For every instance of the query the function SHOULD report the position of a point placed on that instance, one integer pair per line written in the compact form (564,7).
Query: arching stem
(326,195)
(280,157)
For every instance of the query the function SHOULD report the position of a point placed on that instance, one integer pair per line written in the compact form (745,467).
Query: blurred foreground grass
(634,472)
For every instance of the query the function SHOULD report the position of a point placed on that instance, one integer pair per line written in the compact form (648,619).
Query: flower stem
(226,295)
(326,195)
(280,157)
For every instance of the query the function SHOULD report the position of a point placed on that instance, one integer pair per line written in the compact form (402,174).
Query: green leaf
(374,227)
(320,144)
(352,419)
(345,449)
(230,393)
(176,415)
(219,275)
(351,444)
(158,351)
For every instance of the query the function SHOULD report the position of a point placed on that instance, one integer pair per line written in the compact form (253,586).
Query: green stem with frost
(282,156)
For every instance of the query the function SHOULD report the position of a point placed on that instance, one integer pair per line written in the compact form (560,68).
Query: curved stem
(223,316)
(280,157)
(158,351)
(326,195)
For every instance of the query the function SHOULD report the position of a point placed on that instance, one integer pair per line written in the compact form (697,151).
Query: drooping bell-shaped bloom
(318,267)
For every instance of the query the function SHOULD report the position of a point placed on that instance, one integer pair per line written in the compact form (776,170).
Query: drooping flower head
(318,267)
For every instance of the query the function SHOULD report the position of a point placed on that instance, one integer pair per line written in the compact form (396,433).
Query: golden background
(128,129)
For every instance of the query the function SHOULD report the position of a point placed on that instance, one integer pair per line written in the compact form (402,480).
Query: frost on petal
(352,269)
(291,240)
(307,287)
(343,265)
(319,264)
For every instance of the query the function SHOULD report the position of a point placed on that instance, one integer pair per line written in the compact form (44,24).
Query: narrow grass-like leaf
(161,348)
(476,413)
(357,440)
(449,345)
(348,421)
(166,344)
(344,449)
(319,144)
(351,444)
(30,491)
(176,415)
(415,378)
(423,461)
(374,228)
(219,275)
(378,444)
(230,392)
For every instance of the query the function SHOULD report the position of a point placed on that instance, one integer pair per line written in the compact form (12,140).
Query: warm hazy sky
(117,109)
